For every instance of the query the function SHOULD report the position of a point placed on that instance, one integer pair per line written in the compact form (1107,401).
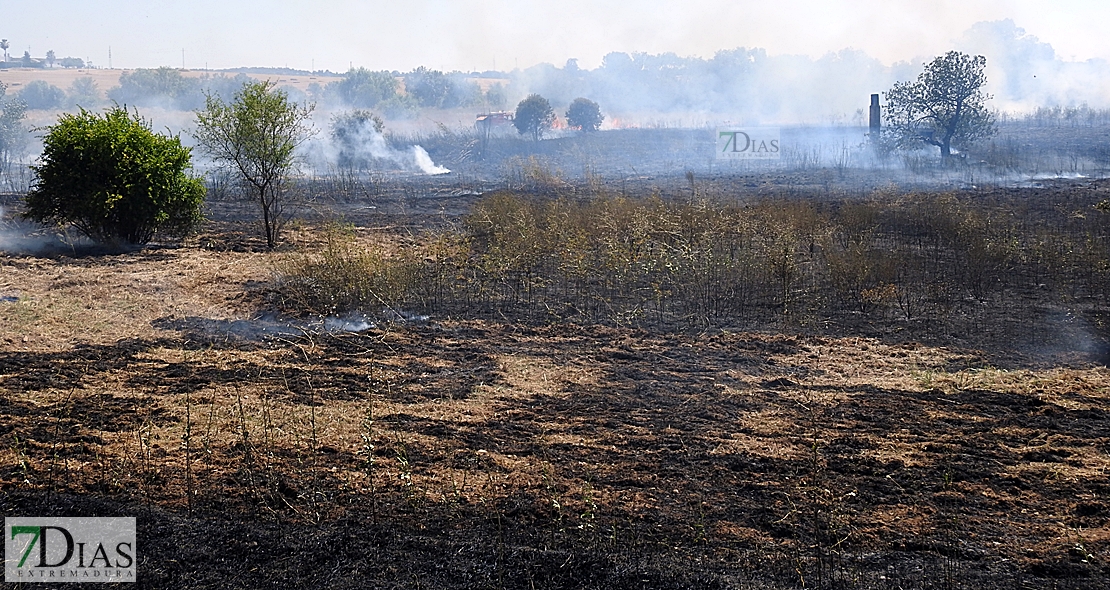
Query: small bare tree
(257,135)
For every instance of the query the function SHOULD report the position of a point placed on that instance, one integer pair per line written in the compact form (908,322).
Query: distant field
(105,79)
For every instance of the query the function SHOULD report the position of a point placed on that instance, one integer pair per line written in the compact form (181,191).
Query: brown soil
(476,453)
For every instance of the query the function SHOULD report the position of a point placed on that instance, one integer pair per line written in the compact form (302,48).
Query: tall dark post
(876,117)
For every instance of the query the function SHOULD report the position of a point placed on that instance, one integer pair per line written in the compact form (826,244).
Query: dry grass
(100,300)
(707,449)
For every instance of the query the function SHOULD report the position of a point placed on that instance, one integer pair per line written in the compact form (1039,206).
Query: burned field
(915,427)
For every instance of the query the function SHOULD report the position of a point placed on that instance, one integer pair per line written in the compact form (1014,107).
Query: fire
(618,123)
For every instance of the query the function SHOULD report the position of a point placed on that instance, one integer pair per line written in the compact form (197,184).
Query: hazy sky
(503,34)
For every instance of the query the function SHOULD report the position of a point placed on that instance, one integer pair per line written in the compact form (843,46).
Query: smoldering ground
(20,237)
(356,143)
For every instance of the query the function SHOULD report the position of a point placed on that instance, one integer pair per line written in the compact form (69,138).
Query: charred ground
(853,449)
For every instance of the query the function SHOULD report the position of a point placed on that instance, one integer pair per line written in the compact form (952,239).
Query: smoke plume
(356,140)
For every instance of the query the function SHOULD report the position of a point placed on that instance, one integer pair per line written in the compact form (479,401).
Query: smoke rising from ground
(21,238)
(356,141)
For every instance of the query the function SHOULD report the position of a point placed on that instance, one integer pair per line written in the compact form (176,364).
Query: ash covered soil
(483,453)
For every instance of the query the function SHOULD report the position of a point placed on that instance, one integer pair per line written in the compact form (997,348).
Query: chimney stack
(876,117)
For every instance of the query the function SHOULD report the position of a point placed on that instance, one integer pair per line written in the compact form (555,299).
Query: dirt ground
(463,453)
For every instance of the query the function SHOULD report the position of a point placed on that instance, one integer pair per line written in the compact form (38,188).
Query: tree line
(396,94)
(141,186)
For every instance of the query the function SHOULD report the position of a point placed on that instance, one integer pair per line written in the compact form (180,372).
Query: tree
(357,134)
(362,88)
(13,135)
(165,87)
(399,106)
(83,92)
(944,107)
(463,93)
(430,88)
(257,135)
(50,57)
(114,179)
(533,115)
(5,45)
(584,114)
(222,85)
(41,95)
(495,96)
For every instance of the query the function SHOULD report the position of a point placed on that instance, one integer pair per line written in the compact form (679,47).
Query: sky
(479,35)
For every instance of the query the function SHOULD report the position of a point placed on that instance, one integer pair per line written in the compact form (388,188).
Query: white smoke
(424,161)
(24,237)
(10,240)
(1024,72)
(352,323)
(361,145)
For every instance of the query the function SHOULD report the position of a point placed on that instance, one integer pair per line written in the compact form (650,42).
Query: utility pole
(875,120)
(109,57)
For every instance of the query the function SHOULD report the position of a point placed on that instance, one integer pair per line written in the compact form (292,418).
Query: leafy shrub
(584,114)
(114,179)
(163,87)
(84,92)
(40,95)
(352,132)
(362,88)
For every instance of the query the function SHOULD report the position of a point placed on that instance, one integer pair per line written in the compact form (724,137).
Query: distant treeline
(741,85)
(396,95)
(735,82)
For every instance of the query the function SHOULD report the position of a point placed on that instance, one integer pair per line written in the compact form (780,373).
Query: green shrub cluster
(114,179)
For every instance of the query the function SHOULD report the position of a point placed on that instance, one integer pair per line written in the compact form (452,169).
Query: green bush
(42,96)
(533,116)
(114,179)
(584,114)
